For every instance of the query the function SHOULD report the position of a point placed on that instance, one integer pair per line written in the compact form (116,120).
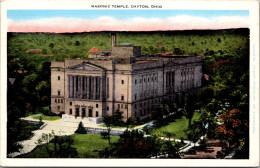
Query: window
(96,113)
(55,100)
(135,81)
(58,69)
(135,106)
(61,100)
(140,80)
(107,108)
(135,96)
(58,92)
(126,106)
(122,97)
(70,111)
(70,103)
(96,105)
(148,79)
(58,77)
(122,81)
(118,106)
(122,105)
(58,100)
(144,80)
(152,78)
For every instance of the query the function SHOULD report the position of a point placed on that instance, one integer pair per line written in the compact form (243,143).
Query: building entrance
(83,113)
(90,112)
(77,112)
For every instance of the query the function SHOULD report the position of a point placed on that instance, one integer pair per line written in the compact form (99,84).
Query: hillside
(75,45)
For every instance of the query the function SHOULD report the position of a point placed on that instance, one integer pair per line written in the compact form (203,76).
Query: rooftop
(126,44)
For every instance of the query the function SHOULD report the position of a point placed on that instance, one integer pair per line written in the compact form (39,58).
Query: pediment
(86,66)
(172,63)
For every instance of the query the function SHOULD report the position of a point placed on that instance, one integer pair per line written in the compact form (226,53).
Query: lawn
(84,143)
(179,127)
(49,118)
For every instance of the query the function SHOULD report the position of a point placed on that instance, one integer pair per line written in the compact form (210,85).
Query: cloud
(182,22)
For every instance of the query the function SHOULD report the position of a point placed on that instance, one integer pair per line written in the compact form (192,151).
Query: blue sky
(118,14)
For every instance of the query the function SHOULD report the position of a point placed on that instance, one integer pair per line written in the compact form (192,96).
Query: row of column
(170,79)
(187,79)
(84,87)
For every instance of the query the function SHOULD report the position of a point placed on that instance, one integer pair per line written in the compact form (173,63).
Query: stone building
(120,79)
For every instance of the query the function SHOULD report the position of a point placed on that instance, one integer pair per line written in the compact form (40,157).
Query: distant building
(120,78)
(34,51)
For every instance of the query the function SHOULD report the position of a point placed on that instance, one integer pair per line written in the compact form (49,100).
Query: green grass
(84,143)
(179,127)
(49,118)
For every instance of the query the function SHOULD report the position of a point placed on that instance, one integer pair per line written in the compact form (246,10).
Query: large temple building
(120,78)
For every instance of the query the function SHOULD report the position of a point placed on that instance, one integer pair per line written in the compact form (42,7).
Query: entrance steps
(85,120)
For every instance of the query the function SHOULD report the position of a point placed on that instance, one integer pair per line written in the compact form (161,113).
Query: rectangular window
(122,97)
(58,77)
(122,105)
(70,103)
(135,81)
(107,108)
(61,100)
(55,100)
(118,106)
(122,81)
(96,105)
(58,92)
(96,113)
(70,111)
(58,100)
(135,96)
(126,106)
(135,106)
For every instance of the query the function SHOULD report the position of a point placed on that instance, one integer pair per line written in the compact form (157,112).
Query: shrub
(104,135)
(81,129)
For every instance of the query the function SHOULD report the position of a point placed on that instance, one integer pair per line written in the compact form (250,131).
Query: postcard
(120,83)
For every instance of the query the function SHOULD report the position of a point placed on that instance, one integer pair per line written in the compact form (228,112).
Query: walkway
(59,127)
(188,146)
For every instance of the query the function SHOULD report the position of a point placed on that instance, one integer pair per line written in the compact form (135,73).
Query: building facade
(122,79)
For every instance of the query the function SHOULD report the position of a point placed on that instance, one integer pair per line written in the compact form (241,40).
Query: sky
(60,21)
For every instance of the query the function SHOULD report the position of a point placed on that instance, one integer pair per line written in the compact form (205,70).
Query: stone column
(87,87)
(70,86)
(95,88)
(81,87)
(91,87)
(74,86)
(98,88)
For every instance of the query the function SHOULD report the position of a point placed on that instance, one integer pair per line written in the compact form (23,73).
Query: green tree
(108,120)
(190,105)
(196,130)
